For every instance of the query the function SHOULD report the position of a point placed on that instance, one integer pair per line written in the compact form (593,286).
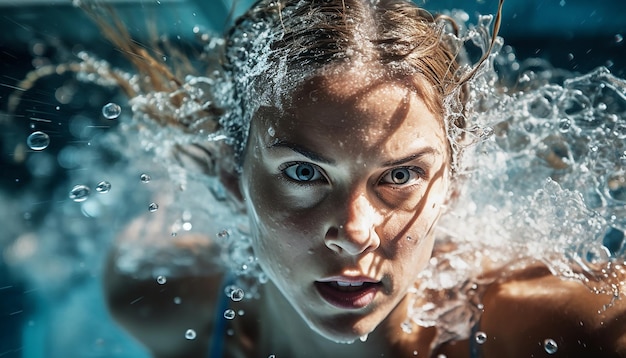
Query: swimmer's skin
(519,315)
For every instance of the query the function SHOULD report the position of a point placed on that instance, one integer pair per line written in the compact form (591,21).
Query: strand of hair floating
(494,37)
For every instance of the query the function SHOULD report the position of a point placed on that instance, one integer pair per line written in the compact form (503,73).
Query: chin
(342,332)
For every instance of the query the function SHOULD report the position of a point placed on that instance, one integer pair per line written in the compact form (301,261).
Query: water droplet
(363,338)
(177,300)
(190,334)
(153,207)
(111,110)
(229,314)
(480,337)
(550,346)
(562,3)
(597,254)
(408,238)
(145,178)
(79,193)
(187,226)
(271,356)
(38,141)
(237,295)
(161,280)
(486,133)
(414,353)
(619,38)
(271,131)
(223,234)
(103,187)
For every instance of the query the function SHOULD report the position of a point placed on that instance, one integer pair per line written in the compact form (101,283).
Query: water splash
(543,175)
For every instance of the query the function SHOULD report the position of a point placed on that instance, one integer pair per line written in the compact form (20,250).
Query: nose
(356,233)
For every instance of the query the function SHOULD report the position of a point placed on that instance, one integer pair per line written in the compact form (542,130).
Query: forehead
(368,112)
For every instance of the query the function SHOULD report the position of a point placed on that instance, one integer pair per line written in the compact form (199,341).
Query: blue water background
(576,35)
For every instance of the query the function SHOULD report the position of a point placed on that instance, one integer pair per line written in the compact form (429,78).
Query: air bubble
(271,131)
(597,254)
(153,207)
(79,193)
(271,356)
(103,187)
(237,295)
(145,178)
(363,338)
(550,346)
(223,234)
(229,314)
(111,110)
(619,38)
(190,334)
(616,186)
(620,130)
(480,337)
(177,300)
(38,140)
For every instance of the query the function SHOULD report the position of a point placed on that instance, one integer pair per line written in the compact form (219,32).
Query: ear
(209,159)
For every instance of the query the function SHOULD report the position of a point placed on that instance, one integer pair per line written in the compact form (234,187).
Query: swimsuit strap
(216,344)
(473,344)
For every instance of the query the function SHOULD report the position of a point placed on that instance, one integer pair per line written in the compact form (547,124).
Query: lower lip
(345,299)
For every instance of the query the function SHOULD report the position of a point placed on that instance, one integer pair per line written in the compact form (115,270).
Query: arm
(522,313)
(158,315)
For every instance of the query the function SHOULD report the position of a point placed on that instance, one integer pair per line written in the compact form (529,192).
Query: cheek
(281,236)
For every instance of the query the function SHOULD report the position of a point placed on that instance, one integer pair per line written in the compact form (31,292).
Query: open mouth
(348,295)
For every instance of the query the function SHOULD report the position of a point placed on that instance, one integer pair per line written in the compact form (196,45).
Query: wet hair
(274,47)
(279,43)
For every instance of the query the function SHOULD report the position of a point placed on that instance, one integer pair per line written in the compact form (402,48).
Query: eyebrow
(422,152)
(317,157)
(280,143)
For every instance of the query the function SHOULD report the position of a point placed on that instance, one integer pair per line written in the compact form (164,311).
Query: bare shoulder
(535,307)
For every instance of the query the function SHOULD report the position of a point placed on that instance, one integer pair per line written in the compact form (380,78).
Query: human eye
(402,176)
(302,172)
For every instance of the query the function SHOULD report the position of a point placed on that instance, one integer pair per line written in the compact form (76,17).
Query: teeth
(346,284)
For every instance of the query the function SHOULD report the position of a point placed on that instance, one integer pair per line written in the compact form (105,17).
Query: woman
(344,127)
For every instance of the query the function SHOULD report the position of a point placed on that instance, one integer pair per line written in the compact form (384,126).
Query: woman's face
(343,188)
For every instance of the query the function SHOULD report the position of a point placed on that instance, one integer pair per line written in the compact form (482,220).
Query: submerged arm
(160,313)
